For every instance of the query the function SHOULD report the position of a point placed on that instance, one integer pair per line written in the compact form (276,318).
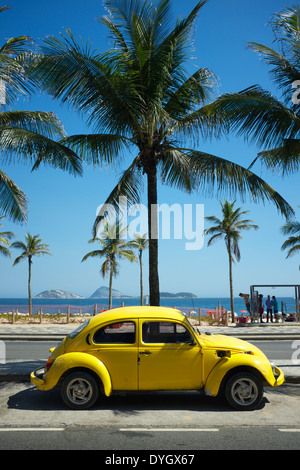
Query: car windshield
(78,329)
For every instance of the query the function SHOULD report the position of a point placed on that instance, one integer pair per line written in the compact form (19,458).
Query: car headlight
(273,367)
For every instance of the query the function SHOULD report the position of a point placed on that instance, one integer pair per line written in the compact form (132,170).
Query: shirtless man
(247,303)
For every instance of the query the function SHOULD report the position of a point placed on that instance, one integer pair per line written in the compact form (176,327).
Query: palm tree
(25,135)
(141,243)
(113,248)
(139,97)
(229,228)
(271,123)
(5,238)
(33,246)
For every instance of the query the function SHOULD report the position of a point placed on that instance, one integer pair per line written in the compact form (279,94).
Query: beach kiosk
(296,287)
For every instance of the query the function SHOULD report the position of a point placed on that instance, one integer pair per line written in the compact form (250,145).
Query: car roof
(125,313)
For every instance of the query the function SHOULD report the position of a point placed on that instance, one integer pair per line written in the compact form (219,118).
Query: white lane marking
(30,429)
(289,430)
(169,429)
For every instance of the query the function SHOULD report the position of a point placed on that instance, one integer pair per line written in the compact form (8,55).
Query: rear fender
(259,366)
(73,360)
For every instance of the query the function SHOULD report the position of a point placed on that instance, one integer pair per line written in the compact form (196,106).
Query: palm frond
(258,116)
(18,142)
(193,92)
(283,71)
(293,246)
(18,259)
(4,251)
(15,59)
(291,228)
(129,187)
(45,123)
(85,80)
(93,254)
(97,148)
(285,159)
(19,245)
(175,169)
(13,201)
(220,176)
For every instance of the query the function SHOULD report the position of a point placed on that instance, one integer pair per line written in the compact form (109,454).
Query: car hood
(228,343)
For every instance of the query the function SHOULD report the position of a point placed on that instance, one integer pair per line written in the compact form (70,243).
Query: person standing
(269,304)
(275,305)
(260,307)
(247,303)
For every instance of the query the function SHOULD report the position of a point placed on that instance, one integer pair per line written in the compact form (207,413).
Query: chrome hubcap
(79,391)
(244,391)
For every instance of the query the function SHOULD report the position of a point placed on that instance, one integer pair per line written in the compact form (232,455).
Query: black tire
(244,391)
(79,390)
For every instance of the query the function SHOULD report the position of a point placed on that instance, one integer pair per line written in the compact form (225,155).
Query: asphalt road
(164,423)
(142,427)
(38,350)
(173,446)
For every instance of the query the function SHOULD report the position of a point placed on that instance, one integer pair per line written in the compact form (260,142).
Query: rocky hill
(57,294)
(103,293)
(178,295)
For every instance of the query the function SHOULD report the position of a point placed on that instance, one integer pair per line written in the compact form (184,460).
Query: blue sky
(62,208)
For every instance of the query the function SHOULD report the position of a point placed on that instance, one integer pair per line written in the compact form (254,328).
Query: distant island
(103,293)
(57,294)
(178,295)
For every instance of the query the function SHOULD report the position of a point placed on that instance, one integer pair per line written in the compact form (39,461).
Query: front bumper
(37,378)
(279,376)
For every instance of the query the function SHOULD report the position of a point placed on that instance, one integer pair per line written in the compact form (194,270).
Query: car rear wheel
(79,390)
(244,391)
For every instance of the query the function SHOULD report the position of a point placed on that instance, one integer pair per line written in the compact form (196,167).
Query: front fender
(227,364)
(73,360)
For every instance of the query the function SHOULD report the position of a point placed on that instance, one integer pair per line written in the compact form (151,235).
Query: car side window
(121,332)
(164,332)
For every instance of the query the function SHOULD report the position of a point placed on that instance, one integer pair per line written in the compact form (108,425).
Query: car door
(115,345)
(169,357)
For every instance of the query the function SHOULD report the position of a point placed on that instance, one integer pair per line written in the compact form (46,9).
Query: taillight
(49,363)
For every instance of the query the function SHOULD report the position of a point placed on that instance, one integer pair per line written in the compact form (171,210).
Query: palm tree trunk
(141,277)
(230,281)
(153,234)
(110,286)
(29,286)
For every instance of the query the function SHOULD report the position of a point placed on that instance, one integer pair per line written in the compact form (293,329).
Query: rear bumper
(37,378)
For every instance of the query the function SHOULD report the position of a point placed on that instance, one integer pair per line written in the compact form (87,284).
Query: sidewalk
(247,331)
(20,370)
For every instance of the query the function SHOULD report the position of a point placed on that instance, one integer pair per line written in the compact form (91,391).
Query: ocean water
(87,305)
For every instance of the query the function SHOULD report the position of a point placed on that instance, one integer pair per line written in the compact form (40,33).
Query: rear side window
(165,332)
(116,333)
(78,329)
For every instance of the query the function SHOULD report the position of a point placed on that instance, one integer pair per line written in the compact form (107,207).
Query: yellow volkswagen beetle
(154,348)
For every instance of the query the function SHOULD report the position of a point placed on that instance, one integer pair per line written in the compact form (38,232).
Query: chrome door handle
(145,352)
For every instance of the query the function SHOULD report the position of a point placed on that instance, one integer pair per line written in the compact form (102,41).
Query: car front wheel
(244,391)
(79,390)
